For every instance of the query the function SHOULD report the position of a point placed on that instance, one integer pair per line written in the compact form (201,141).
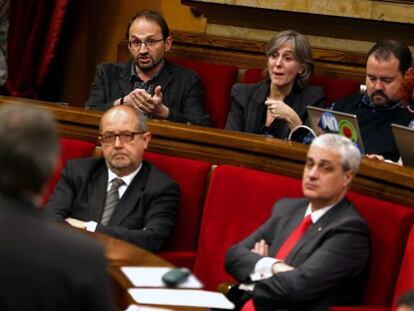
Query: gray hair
(302,51)
(140,117)
(29,149)
(348,152)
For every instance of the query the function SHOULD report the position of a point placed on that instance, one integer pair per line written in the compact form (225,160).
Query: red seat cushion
(69,149)
(389,226)
(239,200)
(217,80)
(192,176)
(405,279)
(335,88)
(253,75)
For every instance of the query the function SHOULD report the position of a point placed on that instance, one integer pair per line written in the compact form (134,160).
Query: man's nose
(313,172)
(118,142)
(379,85)
(143,48)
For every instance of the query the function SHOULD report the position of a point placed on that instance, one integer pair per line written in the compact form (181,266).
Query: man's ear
(146,138)
(348,176)
(168,43)
(408,71)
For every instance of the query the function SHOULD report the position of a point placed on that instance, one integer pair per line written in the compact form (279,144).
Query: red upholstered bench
(238,201)
(405,280)
(389,225)
(217,80)
(335,88)
(192,177)
(69,149)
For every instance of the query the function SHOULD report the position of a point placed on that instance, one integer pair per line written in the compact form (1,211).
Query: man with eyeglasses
(120,194)
(148,82)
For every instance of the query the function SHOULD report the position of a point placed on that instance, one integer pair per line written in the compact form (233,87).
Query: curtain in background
(34,31)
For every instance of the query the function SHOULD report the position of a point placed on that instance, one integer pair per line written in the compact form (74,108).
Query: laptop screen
(404,138)
(330,121)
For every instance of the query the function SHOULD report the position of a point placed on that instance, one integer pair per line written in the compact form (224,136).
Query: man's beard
(147,66)
(384,103)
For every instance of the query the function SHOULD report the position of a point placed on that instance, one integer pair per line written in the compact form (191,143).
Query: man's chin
(310,194)
(379,101)
(146,67)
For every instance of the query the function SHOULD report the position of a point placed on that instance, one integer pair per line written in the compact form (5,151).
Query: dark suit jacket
(181,88)
(248,111)
(46,266)
(330,260)
(146,212)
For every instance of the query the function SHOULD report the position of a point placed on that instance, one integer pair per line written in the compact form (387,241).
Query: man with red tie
(313,252)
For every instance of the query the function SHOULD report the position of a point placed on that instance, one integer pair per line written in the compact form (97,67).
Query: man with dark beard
(387,64)
(148,82)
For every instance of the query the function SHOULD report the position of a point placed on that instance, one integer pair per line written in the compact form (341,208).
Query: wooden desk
(120,253)
(378,179)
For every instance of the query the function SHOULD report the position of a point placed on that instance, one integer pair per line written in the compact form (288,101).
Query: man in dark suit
(43,265)
(313,252)
(146,200)
(148,82)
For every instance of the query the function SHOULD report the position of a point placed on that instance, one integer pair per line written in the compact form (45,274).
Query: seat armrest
(226,287)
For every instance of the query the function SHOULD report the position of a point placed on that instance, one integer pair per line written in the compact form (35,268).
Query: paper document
(151,277)
(181,297)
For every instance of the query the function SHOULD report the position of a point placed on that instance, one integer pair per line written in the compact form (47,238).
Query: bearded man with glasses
(148,82)
(120,194)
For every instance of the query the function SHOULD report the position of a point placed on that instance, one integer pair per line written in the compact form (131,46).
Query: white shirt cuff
(263,269)
(91,226)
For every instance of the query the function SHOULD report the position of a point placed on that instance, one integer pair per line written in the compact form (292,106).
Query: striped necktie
(112,199)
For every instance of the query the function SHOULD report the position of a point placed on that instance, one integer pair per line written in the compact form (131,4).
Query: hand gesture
(277,109)
(151,105)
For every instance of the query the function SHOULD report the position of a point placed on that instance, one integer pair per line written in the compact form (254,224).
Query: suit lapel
(316,231)
(124,80)
(164,76)
(287,226)
(257,109)
(97,193)
(131,196)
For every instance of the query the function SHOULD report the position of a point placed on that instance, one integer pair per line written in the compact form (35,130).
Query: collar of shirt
(365,101)
(317,214)
(126,179)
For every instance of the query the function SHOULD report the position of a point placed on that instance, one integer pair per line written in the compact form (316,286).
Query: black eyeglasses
(125,136)
(136,43)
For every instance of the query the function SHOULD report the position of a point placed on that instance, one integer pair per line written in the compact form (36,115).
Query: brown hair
(302,51)
(152,16)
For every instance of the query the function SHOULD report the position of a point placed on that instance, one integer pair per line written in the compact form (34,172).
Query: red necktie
(293,238)
(284,250)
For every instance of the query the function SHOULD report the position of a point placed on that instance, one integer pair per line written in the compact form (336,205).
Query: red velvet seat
(238,201)
(335,88)
(389,224)
(217,80)
(405,279)
(192,177)
(69,149)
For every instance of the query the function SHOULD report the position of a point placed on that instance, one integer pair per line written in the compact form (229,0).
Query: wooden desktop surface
(375,178)
(120,253)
